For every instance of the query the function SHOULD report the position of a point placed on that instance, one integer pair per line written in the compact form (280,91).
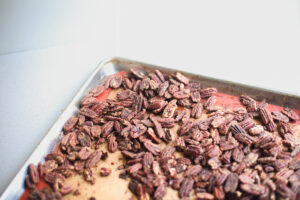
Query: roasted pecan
(112,144)
(231,183)
(170,109)
(87,112)
(84,153)
(153,148)
(218,121)
(195,96)
(182,94)
(33,173)
(197,110)
(204,195)
(186,187)
(94,158)
(208,92)
(256,130)
(210,102)
(180,77)
(160,75)
(254,189)
(162,88)
(160,192)
(138,72)
(290,114)
(71,122)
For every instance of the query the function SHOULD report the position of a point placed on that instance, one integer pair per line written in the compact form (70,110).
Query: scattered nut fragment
(105,171)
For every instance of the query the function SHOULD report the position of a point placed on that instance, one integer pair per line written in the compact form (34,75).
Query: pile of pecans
(171,134)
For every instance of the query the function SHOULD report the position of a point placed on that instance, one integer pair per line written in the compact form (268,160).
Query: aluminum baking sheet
(113,65)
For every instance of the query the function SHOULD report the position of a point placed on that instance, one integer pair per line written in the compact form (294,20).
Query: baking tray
(113,65)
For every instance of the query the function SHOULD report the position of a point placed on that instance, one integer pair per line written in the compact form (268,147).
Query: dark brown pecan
(218,121)
(238,155)
(138,130)
(219,192)
(112,144)
(162,88)
(185,128)
(71,122)
(88,101)
(193,170)
(205,196)
(94,158)
(145,84)
(193,150)
(136,188)
(135,168)
(28,183)
(186,187)
(254,189)
(84,153)
(153,148)
(147,162)
(208,92)
(152,135)
(290,114)
(160,192)
(247,100)
(180,77)
(84,139)
(214,151)
(241,135)
(98,90)
(170,109)
(182,94)
(107,128)
(247,123)
(265,115)
(197,110)
(127,84)
(53,177)
(160,75)
(185,103)
(138,72)
(96,131)
(285,192)
(87,112)
(116,81)
(231,183)
(278,116)
(157,126)
(33,173)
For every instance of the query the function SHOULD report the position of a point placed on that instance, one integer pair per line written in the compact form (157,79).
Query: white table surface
(254,43)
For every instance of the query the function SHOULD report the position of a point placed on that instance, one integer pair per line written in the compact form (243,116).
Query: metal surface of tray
(111,66)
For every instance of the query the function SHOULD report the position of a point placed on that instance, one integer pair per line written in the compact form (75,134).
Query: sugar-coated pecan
(186,187)
(170,109)
(290,114)
(208,92)
(197,110)
(71,122)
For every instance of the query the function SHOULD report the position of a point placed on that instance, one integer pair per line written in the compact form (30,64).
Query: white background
(49,48)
